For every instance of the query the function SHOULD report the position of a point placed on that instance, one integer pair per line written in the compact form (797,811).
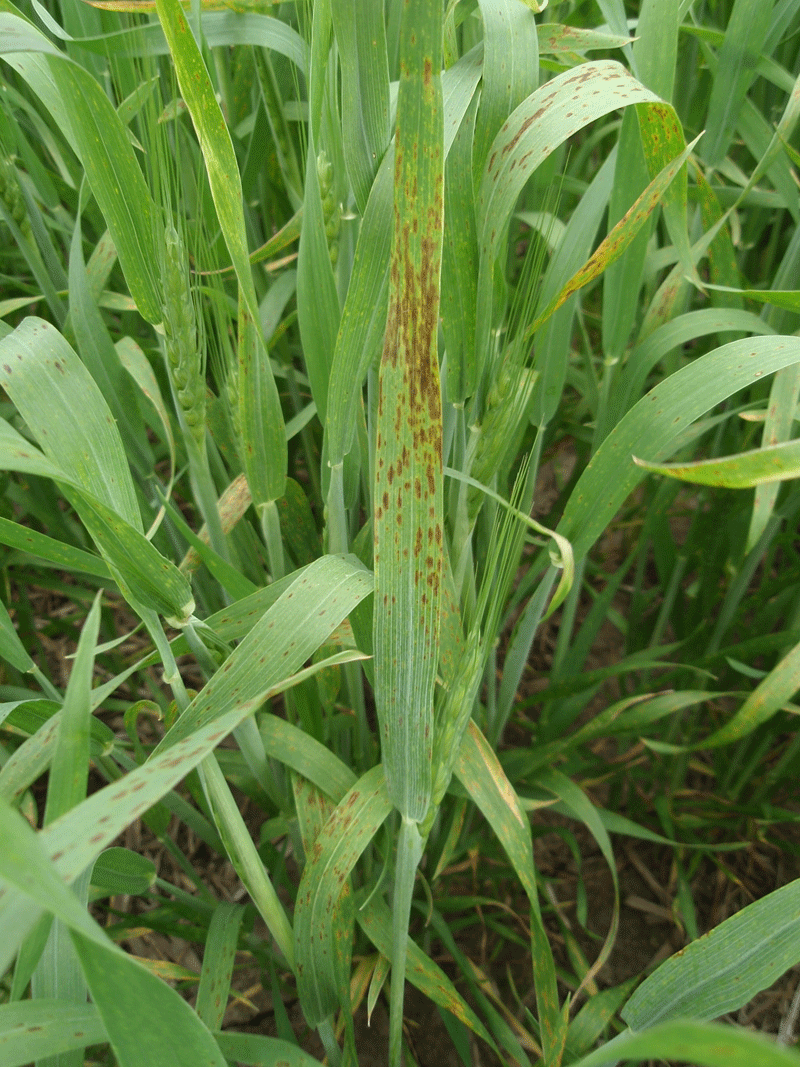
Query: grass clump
(399,516)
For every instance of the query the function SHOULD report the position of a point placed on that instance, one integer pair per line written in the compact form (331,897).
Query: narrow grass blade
(262,1051)
(317,299)
(259,414)
(66,412)
(510,69)
(410,846)
(551,357)
(69,771)
(265,448)
(769,697)
(745,35)
(408,503)
(308,757)
(361,813)
(33,1029)
(460,265)
(657,421)
(30,884)
(778,427)
(288,634)
(81,109)
(12,649)
(361,38)
(620,237)
(263,662)
(479,771)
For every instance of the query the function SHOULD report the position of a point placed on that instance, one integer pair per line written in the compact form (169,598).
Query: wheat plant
(299,300)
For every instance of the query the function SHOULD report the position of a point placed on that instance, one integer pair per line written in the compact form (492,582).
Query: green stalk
(409,851)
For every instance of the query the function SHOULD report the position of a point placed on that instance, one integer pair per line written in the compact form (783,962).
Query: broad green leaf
(657,421)
(408,508)
(702,1044)
(65,411)
(774,463)
(125,993)
(119,870)
(33,1029)
(725,968)
(361,813)
(262,1051)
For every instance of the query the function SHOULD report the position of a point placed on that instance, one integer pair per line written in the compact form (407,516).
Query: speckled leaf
(555,38)
(174,1036)
(218,958)
(542,122)
(775,463)
(408,459)
(723,970)
(620,237)
(344,837)
(32,1029)
(364,312)
(276,647)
